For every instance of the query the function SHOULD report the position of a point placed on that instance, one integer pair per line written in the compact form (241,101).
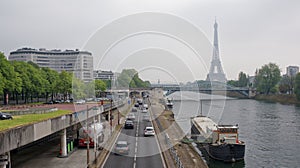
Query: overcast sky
(251,32)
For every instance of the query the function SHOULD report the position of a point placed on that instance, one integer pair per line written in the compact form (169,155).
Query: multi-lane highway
(144,151)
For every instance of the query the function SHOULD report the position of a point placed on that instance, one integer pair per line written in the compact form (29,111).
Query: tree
(64,84)
(267,78)
(38,79)
(1,84)
(107,83)
(100,86)
(52,77)
(22,68)
(89,89)
(10,80)
(78,89)
(232,82)
(125,77)
(243,80)
(287,84)
(297,86)
(130,78)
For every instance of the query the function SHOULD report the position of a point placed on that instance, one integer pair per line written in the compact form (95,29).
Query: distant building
(78,62)
(103,75)
(292,70)
(251,81)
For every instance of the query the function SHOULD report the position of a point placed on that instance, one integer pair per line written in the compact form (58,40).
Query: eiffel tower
(216,71)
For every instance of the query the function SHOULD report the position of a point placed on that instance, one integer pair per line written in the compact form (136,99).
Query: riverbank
(174,151)
(280,98)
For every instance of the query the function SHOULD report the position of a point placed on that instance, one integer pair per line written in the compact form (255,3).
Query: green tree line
(27,81)
(129,78)
(268,80)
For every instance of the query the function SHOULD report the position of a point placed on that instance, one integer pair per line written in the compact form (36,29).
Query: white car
(149,131)
(145,106)
(122,147)
(131,116)
(144,110)
(80,101)
(146,117)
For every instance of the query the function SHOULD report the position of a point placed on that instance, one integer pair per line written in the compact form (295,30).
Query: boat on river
(220,141)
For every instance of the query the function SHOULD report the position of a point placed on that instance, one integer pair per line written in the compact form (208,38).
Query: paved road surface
(44,155)
(144,151)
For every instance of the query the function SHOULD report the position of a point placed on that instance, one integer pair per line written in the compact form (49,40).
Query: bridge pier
(63,143)
(5,160)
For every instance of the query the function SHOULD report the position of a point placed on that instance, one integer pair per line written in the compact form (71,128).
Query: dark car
(57,101)
(49,102)
(5,116)
(134,109)
(129,124)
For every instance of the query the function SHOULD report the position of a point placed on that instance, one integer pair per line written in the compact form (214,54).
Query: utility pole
(109,118)
(201,106)
(95,141)
(88,137)
(118,117)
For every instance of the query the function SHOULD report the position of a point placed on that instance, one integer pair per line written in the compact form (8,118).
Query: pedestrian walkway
(187,155)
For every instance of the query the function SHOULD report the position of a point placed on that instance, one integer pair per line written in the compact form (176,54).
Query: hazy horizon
(251,33)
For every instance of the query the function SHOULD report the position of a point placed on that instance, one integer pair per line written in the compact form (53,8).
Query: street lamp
(110,113)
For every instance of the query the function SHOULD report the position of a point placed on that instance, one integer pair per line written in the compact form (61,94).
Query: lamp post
(118,117)
(88,137)
(201,106)
(109,118)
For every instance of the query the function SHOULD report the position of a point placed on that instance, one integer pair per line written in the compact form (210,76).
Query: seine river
(271,130)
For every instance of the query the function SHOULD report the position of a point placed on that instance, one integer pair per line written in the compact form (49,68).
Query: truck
(95,133)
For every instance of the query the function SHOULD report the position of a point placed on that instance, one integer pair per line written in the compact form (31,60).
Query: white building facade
(104,75)
(80,63)
(292,71)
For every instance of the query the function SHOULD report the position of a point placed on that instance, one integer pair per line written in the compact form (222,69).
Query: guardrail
(20,136)
(170,146)
(173,151)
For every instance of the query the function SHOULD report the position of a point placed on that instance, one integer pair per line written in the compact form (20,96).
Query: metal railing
(173,151)
(169,144)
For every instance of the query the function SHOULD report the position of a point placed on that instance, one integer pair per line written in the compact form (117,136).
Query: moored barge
(220,141)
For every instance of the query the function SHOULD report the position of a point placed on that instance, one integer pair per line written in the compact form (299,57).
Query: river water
(271,130)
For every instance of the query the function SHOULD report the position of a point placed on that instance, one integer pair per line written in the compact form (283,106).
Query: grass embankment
(284,99)
(30,119)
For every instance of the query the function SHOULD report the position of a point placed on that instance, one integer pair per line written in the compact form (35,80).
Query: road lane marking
(136,139)
(111,148)
(156,138)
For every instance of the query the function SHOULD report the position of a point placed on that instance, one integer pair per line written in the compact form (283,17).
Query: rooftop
(43,50)
(205,124)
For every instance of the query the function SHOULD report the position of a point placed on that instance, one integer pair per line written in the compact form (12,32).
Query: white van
(145,106)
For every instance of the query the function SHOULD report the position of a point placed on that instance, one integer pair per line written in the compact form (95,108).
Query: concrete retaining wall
(17,137)
(33,111)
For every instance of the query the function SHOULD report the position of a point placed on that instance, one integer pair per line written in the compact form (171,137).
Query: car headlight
(3,115)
